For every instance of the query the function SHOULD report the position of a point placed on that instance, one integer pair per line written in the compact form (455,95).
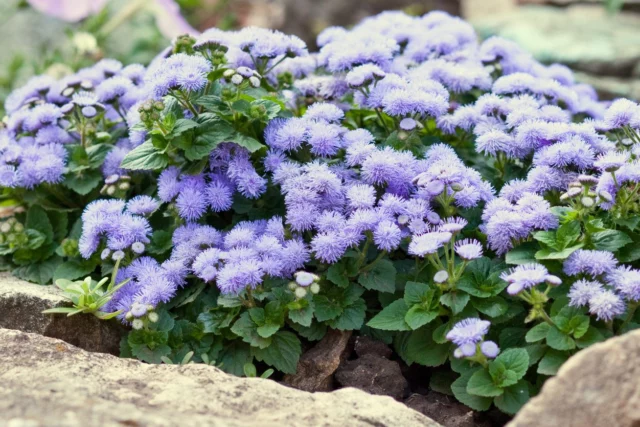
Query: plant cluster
(459,200)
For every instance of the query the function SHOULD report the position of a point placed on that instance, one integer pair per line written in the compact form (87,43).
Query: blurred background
(599,39)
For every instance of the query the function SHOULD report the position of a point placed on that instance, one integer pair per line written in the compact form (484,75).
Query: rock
(45,379)
(373,374)
(365,345)
(317,366)
(21,306)
(445,410)
(598,386)
(583,36)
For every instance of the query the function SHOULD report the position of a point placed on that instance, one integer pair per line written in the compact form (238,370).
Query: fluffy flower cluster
(118,224)
(467,334)
(605,287)
(43,117)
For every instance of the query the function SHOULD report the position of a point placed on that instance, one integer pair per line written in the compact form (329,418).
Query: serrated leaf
(38,220)
(352,317)
(457,301)
(84,182)
(337,274)
(492,307)
(73,269)
(545,254)
(513,398)
(382,277)
(283,353)
(391,318)
(610,240)
(326,309)
(558,340)
(421,348)
(418,316)
(592,336)
(459,389)
(538,332)
(481,384)
(145,157)
(523,254)
(515,362)
(551,362)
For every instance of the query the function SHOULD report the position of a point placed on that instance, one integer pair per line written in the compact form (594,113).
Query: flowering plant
(459,200)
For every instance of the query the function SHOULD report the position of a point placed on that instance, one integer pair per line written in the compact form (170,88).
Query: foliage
(255,196)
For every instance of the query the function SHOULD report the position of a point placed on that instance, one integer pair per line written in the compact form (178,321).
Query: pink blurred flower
(167,13)
(68,10)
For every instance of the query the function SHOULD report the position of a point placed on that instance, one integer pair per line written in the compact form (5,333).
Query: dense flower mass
(407,181)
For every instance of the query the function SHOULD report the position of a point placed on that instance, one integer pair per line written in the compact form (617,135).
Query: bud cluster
(305,282)
(116,185)
(140,315)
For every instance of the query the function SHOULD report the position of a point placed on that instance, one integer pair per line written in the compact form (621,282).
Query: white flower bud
(300,292)
(314,288)
(137,324)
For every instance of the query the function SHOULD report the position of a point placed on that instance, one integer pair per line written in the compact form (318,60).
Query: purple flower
(142,205)
(626,281)
(526,276)
(468,249)
(387,235)
(582,291)
(468,331)
(490,349)
(429,243)
(324,111)
(591,262)
(606,305)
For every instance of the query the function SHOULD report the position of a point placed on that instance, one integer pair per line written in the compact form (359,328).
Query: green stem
(123,16)
(374,262)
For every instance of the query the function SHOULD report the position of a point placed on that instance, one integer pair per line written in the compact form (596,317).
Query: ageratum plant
(470,206)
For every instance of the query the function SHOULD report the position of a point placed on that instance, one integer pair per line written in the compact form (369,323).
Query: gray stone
(48,382)
(599,386)
(373,374)
(21,306)
(317,365)
(585,37)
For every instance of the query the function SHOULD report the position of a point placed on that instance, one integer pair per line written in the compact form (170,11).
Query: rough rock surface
(373,374)
(317,366)
(599,386)
(45,379)
(21,306)
(365,345)
(445,410)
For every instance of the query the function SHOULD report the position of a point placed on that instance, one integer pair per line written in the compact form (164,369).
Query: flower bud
(300,292)
(314,288)
(153,317)
(605,195)
(441,276)
(254,81)
(587,202)
(237,79)
(137,324)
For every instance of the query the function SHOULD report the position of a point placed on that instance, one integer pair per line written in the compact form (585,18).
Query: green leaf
(592,336)
(418,316)
(512,364)
(160,242)
(145,157)
(83,182)
(513,398)
(73,269)
(272,108)
(459,389)
(214,104)
(551,362)
(181,126)
(326,309)
(391,318)
(482,279)
(302,316)
(352,318)
(492,307)
(481,384)
(416,293)
(567,234)
(610,240)
(247,329)
(146,354)
(558,255)
(538,332)
(282,354)
(457,301)
(247,142)
(441,381)
(40,273)
(547,237)
(267,330)
(234,356)
(558,340)
(382,277)
(97,153)
(523,254)
(423,350)
(338,274)
(38,220)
